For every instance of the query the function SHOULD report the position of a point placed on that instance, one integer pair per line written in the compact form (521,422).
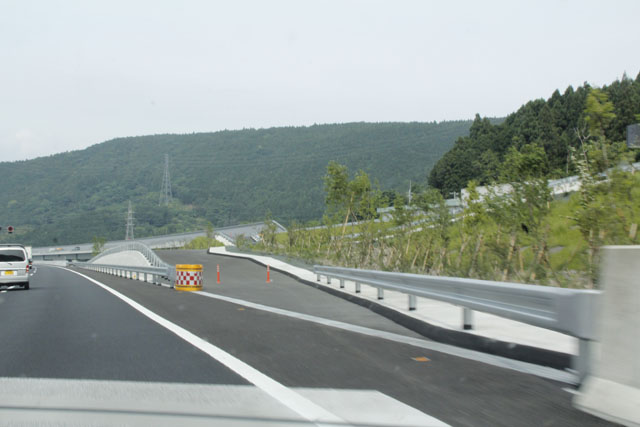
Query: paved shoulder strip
(501,362)
(278,391)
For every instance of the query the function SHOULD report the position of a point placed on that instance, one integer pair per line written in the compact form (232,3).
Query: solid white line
(501,362)
(283,394)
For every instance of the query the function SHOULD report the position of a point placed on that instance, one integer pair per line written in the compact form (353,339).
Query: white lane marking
(501,362)
(283,394)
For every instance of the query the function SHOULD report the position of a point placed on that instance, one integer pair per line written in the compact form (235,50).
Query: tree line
(554,124)
(226,177)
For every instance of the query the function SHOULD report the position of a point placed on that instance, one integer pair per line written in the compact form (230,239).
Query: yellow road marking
(421,359)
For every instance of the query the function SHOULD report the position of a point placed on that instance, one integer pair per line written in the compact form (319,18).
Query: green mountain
(224,177)
(552,123)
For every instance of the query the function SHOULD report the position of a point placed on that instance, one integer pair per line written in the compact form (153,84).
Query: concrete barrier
(612,388)
(60,263)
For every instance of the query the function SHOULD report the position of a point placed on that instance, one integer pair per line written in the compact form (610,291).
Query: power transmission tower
(165,193)
(130,221)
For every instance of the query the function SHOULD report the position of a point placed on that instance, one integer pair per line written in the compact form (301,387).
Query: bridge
(299,349)
(84,251)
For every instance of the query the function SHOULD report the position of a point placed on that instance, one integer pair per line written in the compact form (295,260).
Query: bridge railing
(568,311)
(154,273)
(153,259)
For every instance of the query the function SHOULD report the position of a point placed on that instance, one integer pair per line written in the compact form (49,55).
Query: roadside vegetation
(204,242)
(523,235)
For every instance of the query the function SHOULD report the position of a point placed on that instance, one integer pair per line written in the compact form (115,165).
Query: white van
(14,265)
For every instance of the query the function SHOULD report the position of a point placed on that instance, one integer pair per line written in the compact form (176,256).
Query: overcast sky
(75,73)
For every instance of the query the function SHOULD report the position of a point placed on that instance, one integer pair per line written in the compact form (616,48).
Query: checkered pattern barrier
(188,276)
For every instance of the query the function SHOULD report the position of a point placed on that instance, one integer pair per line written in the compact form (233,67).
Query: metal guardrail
(568,311)
(146,251)
(143,273)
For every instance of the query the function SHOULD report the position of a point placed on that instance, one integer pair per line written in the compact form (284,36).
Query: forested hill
(223,177)
(552,123)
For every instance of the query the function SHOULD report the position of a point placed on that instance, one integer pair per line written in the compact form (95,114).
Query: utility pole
(409,192)
(129,235)
(165,192)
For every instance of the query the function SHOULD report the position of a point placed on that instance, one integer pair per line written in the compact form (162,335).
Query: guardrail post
(412,302)
(328,280)
(380,293)
(467,319)
(357,287)
(582,361)
(341,283)
(318,279)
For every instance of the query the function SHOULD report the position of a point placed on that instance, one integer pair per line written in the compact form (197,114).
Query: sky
(77,73)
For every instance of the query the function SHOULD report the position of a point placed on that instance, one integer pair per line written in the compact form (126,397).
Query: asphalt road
(65,327)
(247,280)
(68,327)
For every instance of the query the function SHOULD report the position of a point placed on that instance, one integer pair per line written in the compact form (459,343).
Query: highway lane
(302,354)
(65,327)
(67,331)
(246,280)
